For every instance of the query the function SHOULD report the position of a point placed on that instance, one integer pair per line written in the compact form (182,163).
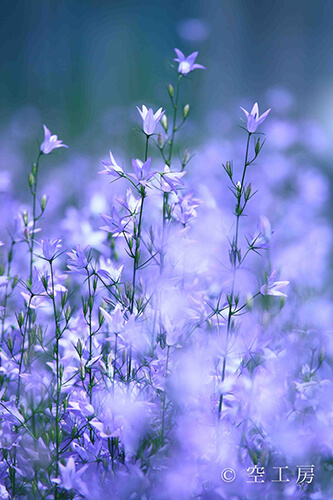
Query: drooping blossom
(50,142)
(272,287)
(187,64)
(253,118)
(150,119)
(141,171)
(111,167)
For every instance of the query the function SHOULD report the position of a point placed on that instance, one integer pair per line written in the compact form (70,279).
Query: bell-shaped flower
(115,224)
(150,119)
(50,248)
(187,64)
(171,181)
(272,287)
(50,142)
(108,271)
(253,118)
(111,167)
(141,171)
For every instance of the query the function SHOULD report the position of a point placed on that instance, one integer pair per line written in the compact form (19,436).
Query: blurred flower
(70,478)
(171,181)
(111,167)
(115,224)
(253,118)
(50,142)
(150,120)
(108,270)
(50,248)
(78,261)
(273,287)
(186,64)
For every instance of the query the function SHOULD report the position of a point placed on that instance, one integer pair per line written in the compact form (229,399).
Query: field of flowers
(166,325)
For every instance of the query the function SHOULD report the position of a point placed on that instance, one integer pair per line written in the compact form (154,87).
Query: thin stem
(34,218)
(138,235)
(234,250)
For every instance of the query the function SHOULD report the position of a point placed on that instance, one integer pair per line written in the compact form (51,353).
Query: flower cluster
(148,349)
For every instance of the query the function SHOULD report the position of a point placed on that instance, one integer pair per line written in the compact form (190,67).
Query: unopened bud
(68,313)
(79,347)
(20,319)
(44,281)
(164,122)
(25,217)
(10,344)
(43,202)
(186,111)
(64,298)
(31,180)
(321,355)
(100,318)
(249,301)
(160,141)
(248,192)
(186,156)
(228,168)
(257,147)
(34,169)
(171,90)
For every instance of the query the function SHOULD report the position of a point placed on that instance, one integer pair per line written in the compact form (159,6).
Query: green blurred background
(82,63)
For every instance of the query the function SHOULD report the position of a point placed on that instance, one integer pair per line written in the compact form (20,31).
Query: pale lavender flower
(186,64)
(78,261)
(171,181)
(131,203)
(272,287)
(253,118)
(70,477)
(50,248)
(150,119)
(108,270)
(115,224)
(50,142)
(111,167)
(142,171)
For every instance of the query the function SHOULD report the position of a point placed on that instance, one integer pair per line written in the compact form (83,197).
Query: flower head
(150,120)
(141,171)
(186,64)
(253,118)
(111,167)
(50,142)
(272,287)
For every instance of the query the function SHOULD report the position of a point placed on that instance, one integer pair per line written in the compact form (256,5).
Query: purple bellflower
(111,167)
(272,287)
(150,120)
(253,118)
(50,142)
(186,64)
(141,171)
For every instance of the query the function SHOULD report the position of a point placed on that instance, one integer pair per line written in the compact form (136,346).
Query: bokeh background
(82,66)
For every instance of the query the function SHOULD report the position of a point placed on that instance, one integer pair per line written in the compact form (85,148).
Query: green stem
(58,385)
(138,235)
(234,267)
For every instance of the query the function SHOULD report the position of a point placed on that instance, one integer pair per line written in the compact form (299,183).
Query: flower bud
(228,168)
(44,281)
(321,356)
(186,156)
(171,90)
(34,169)
(257,147)
(100,318)
(160,141)
(43,202)
(64,298)
(20,319)
(249,301)
(10,344)
(79,347)
(164,122)
(68,313)
(248,192)
(31,180)
(186,111)
(25,217)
